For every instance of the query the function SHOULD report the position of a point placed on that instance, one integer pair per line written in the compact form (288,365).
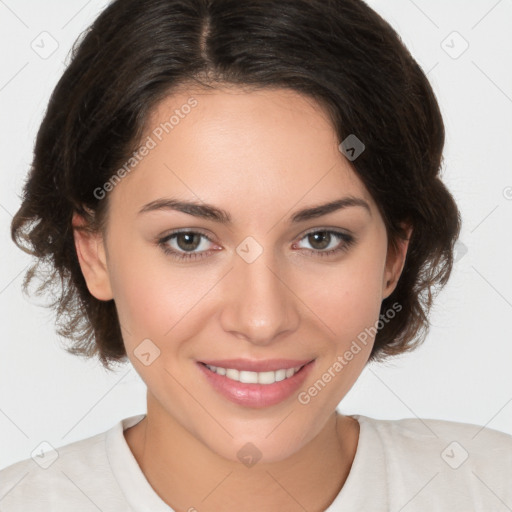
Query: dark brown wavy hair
(340,53)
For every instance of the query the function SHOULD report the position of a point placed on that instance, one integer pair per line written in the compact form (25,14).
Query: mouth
(256,377)
(257,389)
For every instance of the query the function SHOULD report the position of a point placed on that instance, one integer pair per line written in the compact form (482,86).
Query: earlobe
(395,263)
(91,254)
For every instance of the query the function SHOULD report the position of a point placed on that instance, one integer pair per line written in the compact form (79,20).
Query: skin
(261,156)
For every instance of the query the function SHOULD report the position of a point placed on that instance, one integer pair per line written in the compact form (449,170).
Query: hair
(340,53)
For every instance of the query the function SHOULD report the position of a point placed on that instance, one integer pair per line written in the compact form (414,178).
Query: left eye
(324,240)
(185,243)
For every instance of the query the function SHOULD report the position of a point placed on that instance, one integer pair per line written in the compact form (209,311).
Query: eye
(334,241)
(183,245)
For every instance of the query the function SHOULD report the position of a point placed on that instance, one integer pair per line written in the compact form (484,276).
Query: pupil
(189,237)
(320,234)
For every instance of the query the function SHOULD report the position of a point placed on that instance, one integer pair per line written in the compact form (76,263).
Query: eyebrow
(210,212)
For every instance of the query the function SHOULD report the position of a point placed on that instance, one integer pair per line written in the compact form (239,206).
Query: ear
(395,262)
(90,249)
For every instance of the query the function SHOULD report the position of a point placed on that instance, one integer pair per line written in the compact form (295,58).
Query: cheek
(142,287)
(347,297)
(155,297)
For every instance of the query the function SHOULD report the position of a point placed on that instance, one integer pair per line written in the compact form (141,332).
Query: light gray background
(462,372)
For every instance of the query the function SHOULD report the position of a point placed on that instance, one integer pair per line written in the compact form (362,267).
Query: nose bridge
(259,306)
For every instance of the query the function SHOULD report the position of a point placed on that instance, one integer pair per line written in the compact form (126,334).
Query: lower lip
(256,395)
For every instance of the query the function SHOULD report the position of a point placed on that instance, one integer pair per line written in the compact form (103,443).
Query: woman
(243,199)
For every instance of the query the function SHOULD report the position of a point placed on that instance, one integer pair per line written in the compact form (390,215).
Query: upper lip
(249,365)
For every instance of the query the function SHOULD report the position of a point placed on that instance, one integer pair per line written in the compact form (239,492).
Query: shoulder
(426,427)
(434,431)
(455,442)
(52,477)
(450,461)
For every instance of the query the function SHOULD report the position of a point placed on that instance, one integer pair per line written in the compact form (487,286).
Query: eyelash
(181,256)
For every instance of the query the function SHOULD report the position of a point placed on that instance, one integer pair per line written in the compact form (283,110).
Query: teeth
(290,372)
(255,377)
(232,374)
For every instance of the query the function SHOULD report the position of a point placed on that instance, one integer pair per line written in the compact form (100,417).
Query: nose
(259,304)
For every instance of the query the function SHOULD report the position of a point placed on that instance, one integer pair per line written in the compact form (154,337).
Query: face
(250,279)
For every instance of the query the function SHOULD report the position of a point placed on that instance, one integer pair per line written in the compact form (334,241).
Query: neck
(187,475)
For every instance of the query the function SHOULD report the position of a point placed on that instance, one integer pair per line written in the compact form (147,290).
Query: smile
(248,377)
(257,389)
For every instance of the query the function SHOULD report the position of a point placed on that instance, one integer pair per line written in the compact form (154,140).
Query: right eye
(184,243)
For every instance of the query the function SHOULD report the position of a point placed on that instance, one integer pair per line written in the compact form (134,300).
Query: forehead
(227,145)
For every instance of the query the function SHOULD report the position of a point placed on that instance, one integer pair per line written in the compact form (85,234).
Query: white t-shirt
(400,465)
